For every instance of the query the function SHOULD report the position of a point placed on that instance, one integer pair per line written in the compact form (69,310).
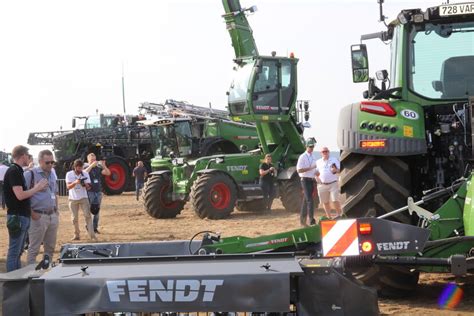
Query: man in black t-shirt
(17,200)
(267,177)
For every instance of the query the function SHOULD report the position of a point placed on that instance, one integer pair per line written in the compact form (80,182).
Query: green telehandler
(413,135)
(263,92)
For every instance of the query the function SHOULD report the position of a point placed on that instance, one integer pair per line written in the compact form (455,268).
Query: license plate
(456,9)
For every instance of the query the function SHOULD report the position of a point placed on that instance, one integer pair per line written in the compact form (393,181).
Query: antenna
(382,17)
(123,92)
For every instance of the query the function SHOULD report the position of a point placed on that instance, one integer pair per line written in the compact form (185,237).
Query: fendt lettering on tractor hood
(161,291)
(370,236)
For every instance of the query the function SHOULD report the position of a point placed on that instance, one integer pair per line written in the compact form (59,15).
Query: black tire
(291,194)
(118,181)
(373,186)
(213,195)
(254,206)
(156,200)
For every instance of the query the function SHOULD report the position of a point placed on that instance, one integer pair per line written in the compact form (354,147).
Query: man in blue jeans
(140,175)
(306,168)
(17,200)
(96,170)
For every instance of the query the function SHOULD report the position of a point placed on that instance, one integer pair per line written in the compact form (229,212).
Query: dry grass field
(123,219)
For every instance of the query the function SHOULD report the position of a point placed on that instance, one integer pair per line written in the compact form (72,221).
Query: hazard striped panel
(339,238)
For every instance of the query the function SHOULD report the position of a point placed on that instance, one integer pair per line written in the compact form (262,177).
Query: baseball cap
(310,142)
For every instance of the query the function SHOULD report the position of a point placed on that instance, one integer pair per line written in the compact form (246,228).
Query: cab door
(274,88)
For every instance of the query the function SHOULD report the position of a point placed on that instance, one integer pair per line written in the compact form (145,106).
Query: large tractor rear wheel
(213,195)
(291,194)
(119,178)
(157,198)
(373,186)
(254,206)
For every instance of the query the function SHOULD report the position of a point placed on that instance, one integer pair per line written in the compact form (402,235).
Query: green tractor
(191,131)
(413,135)
(263,92)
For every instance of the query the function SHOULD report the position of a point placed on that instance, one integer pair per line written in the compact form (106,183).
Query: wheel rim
(220,196)
(164,198)
(116,180)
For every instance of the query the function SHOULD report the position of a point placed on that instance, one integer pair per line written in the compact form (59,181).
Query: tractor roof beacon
(263,92)
(413,135)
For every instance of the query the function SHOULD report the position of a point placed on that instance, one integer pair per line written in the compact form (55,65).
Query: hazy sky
(63,58)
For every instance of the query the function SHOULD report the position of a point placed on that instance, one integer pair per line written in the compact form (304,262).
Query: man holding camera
(267,179)
(78,182)
(96,170)
(327,177)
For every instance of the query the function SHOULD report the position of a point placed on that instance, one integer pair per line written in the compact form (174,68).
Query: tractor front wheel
(157,198)
(213,195)
(373,186)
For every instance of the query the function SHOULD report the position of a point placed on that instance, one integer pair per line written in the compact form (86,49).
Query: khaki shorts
(328,192)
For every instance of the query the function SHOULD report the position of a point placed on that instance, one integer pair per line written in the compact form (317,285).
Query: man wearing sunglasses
(44,208)
(328,182)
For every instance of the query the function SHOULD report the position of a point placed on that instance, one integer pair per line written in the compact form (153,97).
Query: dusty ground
(123,219)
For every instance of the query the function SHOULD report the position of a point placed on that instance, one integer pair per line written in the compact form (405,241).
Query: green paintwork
(411,128)
(468,216)
(237,134)
(241,167)
(297,239)
(239,29)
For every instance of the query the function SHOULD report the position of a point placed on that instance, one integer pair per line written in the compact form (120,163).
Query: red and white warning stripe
(339,238)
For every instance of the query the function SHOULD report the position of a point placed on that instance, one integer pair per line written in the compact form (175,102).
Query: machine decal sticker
(407,131)
(410,114)
(340,238)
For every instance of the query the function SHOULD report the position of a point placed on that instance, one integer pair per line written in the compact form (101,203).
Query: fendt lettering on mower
(414,134)
(263,92)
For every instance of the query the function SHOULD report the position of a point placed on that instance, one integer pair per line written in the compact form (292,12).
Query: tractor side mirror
(437,85)
(381,75)
(360,63)
(73,123)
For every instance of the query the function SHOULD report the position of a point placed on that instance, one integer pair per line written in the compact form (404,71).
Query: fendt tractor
(190,131)
(263,92)
(172,127)
(413,136)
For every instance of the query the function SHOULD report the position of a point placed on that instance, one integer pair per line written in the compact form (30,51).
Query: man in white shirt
(328,184)
(306,168)
(78,182)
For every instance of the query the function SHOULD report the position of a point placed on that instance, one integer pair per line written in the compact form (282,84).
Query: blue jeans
(16,244)
(307,207)
(95,198)
(138,187)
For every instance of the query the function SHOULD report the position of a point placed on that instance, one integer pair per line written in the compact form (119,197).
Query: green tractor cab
(412,134)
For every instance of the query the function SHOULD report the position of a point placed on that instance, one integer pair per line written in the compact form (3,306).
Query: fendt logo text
(156,290)
(388,246)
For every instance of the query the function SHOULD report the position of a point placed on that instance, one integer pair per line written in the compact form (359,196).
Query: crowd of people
(30,195)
